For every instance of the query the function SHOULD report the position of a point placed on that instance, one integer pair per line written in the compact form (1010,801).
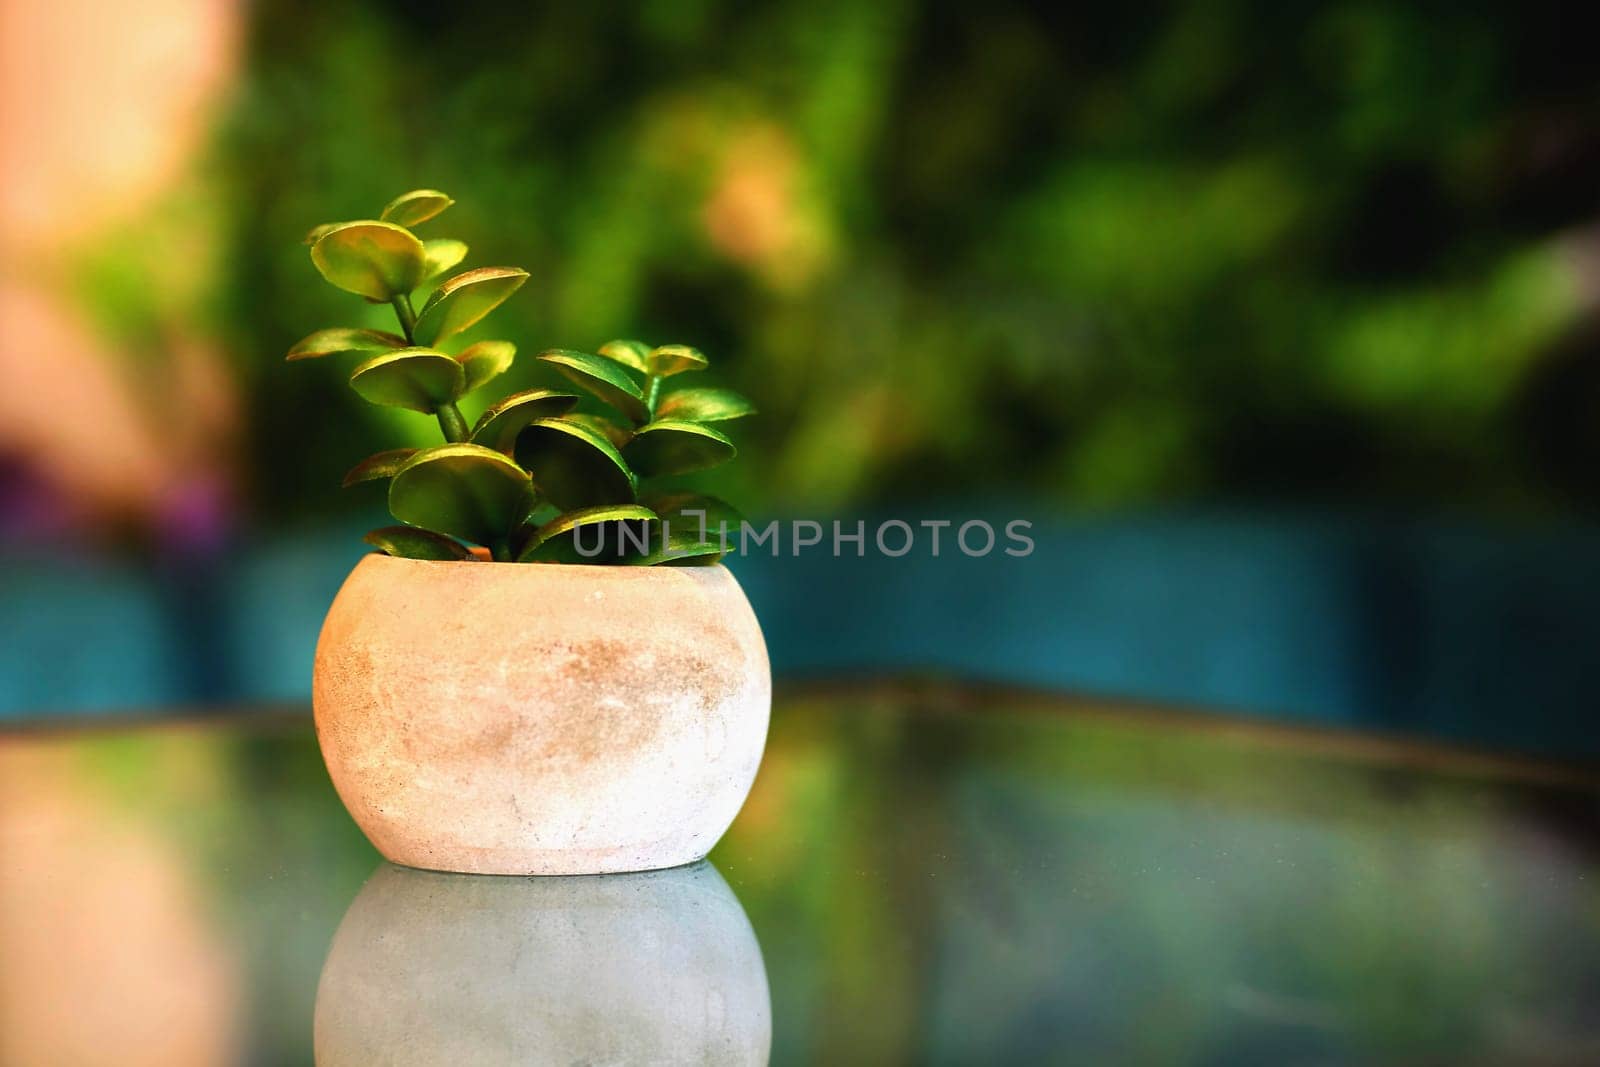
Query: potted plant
(544,668)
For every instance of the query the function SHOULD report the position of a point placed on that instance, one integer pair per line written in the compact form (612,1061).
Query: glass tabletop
(928,874)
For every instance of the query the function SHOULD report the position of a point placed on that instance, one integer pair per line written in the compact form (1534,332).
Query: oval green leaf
(618,435)
(485,361)
(419,205)
(685,554)
(635,355)
(316,232)
(377,260)
(440,254)
(408,542)
(497,428)
(463,490)
(703,405)
(341,341)
(692,530)
(690,509)
(624,531)
(667,360)
(602,378)
(572,466)
(674,447)
(418,379)
(460,302)
(378,465)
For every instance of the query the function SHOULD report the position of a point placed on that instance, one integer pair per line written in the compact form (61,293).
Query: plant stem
(652,389)
(451,422)
(404,312)
(501,551)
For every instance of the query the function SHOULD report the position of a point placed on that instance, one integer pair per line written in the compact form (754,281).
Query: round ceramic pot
(525,718)
(431,969)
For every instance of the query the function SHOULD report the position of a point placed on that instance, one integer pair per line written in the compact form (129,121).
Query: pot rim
(596,569)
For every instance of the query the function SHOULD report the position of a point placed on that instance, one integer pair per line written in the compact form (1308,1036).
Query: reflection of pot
(537,718)
(660,967)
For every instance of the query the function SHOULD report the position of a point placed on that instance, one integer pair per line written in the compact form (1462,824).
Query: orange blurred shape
(65,406)
(106,953)
(102,103)
(754,213)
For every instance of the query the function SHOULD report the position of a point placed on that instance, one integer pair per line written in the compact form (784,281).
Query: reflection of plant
(532,472)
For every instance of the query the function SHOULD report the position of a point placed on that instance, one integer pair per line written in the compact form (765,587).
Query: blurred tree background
(1108,255)
(1295,295)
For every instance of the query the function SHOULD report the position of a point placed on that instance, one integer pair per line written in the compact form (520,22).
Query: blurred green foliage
(1098,255)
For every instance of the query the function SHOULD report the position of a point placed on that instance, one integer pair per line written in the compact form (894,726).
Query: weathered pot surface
(541,718)
(660,967)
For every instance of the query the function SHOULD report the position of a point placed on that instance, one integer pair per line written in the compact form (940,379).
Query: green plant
(533,478)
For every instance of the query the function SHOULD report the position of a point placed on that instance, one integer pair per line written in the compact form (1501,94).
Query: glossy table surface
(929,874)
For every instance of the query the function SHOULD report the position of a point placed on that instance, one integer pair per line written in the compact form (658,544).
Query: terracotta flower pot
(497,718)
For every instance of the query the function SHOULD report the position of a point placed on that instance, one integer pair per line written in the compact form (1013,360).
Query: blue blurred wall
(1467,634)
